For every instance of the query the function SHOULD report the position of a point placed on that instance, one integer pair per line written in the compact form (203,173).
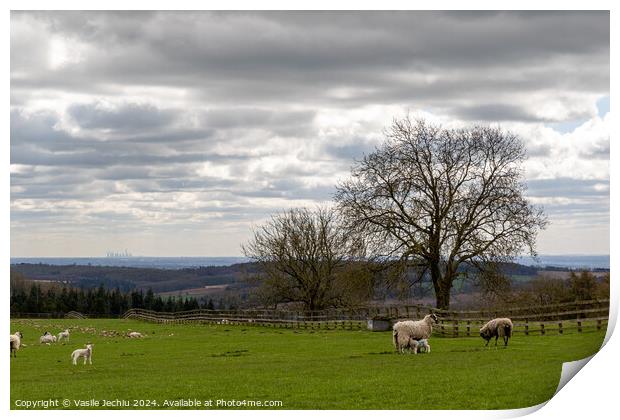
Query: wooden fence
(74,315)
(542,320)
(457,328)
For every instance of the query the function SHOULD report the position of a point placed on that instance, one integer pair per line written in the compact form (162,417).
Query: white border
(592,394)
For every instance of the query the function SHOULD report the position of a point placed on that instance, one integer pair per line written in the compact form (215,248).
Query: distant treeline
(33,297)
(112,290)
(127,279)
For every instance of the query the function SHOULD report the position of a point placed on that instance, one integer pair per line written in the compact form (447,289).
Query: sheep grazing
(498,327)
(47,338)
(63,335)
(405,331)
(16,342)
(134,334)
(423,346)
(86,353)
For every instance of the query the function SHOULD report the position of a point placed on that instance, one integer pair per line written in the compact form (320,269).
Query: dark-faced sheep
(405,331)
(47,338)
(498,327)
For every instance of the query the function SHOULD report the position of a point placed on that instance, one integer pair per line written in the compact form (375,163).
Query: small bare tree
(306,257)
(436,198)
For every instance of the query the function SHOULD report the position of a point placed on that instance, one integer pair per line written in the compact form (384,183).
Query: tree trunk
(441,284)
(442,294)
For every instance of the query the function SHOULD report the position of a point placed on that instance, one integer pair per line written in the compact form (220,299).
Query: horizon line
(241,256)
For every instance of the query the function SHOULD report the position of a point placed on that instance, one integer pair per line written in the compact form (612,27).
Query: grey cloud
(240,79)
(38,128)
(188,184)
(292,189)
(36,140)
(89,159)
(495,112)
(298,55)
(291,123)
(350,151)
(598,151)
(568,187)
(538,150)
(126,117)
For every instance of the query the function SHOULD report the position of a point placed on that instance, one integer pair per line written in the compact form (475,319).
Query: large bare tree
(307,257)
(435,198)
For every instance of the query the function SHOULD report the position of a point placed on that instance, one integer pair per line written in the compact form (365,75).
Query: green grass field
(302,369)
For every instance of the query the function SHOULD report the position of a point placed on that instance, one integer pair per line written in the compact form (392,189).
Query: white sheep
(47,338)
(63,335)
(16,342)
(498,327)
(86,353)
(134,334)
(405,331)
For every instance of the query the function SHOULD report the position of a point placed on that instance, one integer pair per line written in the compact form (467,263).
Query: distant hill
(135,261)
(176,280)
(129,278)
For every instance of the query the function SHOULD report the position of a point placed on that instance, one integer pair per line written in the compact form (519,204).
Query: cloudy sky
(174,133)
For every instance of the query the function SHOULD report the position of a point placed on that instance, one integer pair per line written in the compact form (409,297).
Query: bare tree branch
(440,198)
(308,257)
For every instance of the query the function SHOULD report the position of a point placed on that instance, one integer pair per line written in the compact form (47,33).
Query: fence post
(578,326)
(560,328)
(456,328)
(468,328)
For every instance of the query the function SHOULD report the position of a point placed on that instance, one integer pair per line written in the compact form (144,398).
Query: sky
(176,133)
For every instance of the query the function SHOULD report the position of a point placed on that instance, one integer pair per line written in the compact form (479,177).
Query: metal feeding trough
(379,324)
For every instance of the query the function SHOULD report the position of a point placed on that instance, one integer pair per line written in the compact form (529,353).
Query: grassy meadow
(303,369)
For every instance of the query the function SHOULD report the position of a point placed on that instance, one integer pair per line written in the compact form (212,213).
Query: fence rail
(546,319)
(576,320)
(567,310)
(454,328)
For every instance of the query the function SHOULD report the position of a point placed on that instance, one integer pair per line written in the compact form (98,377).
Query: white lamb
(16,342)
(405,331)
(63,335)
(134,334)
(423,346)
(85,353)
(47,338)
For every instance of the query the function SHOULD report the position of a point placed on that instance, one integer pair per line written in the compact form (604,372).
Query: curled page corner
(520,412)
(569,370)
